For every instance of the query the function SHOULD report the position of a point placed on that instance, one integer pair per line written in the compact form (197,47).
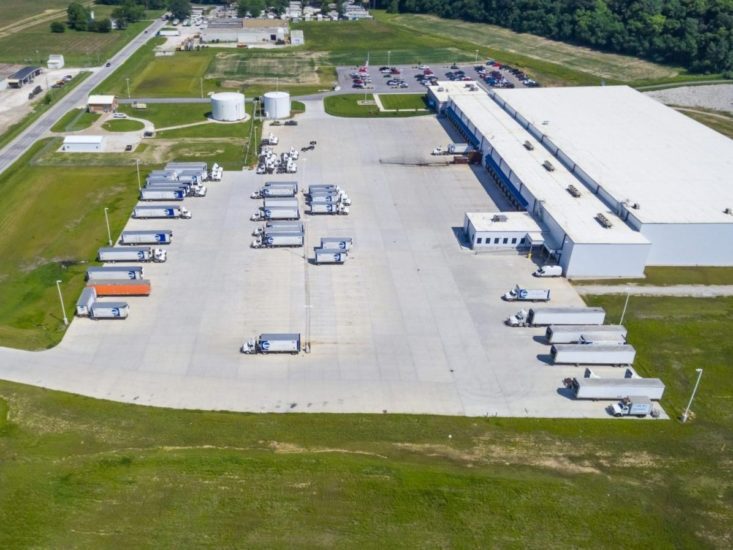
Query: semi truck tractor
(337,209)
(85,302)
(518,294)
(151,236)
(549,271)
(594,354)
(162,211)
(162,194)
(280,202)
(638,406)
(571,334)
(336,243)
(615,388)
(329,256)
(115,272)
(281,227)
(273,239)
(558,316)
(277,213)
(109,310)
(273,343)
(137,254)
(120,287)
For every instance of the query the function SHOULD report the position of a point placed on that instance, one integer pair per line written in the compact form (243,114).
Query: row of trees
(697,34)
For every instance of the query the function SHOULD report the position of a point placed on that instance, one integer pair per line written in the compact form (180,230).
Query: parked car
(128,148)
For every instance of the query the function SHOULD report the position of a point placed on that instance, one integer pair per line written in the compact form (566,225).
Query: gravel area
(715,96)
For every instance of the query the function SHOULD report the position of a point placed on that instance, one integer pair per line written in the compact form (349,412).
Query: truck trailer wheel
(617,415)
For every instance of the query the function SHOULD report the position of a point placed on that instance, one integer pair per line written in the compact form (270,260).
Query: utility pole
(202,87)
(137,165)
(109,233)
(128,87)
(61,299)
(686,414)
(626,304)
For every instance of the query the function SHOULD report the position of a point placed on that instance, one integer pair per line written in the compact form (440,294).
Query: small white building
(83,144)
(502,231)
(297,38)
(55,61)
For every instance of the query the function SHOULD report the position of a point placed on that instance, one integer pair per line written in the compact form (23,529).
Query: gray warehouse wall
(690,244)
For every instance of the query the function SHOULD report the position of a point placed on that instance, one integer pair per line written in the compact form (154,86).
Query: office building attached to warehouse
(615,180)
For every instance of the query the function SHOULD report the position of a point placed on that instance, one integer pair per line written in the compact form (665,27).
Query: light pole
(389,57)
(201,80)
(61,299)
(137,166)
(109,233)
(626,304)
(128,87)
(686,414)
(476,59)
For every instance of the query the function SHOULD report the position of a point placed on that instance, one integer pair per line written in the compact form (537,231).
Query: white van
(549,271)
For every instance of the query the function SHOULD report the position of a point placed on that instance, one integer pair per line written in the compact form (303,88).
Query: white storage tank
(277,105)
(227,106)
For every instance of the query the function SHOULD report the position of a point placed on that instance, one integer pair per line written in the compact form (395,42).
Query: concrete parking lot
(412,323)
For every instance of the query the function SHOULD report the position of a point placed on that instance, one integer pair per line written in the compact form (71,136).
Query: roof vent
(499,218)
(728,211)
(604,221)
(548,166)
(636,206)
(528,145)
(573,191)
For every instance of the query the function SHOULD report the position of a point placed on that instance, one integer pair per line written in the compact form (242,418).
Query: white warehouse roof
(101,99)
(503,221)
(636,149)
(68,140)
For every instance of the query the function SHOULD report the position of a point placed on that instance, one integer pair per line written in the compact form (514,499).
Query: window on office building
(514,240)
(478,240)
(496,240)
(505,241)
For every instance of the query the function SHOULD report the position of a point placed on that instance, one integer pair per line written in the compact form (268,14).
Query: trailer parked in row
(337,209)
(518,294)
(558,316)
(109,310)
(593,354)
(115,272)
(571,334)
(162,194)
(277,213)
(322,188)
(273,343)
(85,302)
(615,388)
(162,211)
(276,189)
(120,287)
(280,202)
(279,226)
(337,243)
(273,239)
(137,254)
(150,236)
(329,256)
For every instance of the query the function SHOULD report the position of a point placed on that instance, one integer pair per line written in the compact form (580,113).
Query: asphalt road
(11,152)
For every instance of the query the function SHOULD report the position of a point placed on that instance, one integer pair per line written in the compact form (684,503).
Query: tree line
(697,34)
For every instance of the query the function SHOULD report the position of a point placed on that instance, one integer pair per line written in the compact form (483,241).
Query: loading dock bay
(412,323)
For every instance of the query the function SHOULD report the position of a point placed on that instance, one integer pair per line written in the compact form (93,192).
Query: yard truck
(518,294)
(638,406)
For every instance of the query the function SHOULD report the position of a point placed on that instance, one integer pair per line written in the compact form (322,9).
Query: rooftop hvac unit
(528,145)
(548,166)
(728,211)
(636,206)
(604,221)
(499,218)
(573,190)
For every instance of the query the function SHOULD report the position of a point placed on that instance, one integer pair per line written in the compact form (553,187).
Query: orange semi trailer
(110,287)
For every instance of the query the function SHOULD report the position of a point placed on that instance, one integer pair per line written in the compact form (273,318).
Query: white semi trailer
(115,272)
(518,294)
(272,239)
(280,202)
(571,334)
(109,310)
(329,256)
(321,208)
(162,211)
(336,243)
(150,236)
(277,213)
(273,343)
(592,354)
(85,302)
(279,226)
(162,194)
(615,388)
(132,254)
(558,316)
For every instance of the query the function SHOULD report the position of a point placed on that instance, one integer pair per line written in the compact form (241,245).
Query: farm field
(347,105)
(80,49)
(75,120)
(14,11)
(403,101)
(84,472)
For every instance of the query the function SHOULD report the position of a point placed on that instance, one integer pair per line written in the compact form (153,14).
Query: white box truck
(549,271)
(593,354)
(518,294)
(615,388)
(162,211)
(336,243)
(273,343)
(85,302)
(273,239)
(638,406)
(132,254)
(150,236)
(277,191)
(109,310)
(329,256)
(115,272)
(571,334)
(279,226)
(558,316)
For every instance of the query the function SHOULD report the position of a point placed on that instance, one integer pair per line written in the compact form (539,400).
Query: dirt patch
(238,69)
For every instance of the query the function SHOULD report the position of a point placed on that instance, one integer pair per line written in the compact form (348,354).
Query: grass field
(347,105)
(719,121)
(163,115)
(51,223)
(663,276)
(13,11)
(75,120)
(123,125)
(403,101)
(87,473)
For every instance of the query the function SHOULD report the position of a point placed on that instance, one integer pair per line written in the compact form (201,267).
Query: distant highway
(15,149)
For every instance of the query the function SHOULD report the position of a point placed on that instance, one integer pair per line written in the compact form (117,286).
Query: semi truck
(638,406)
(330,198)
(615,388)
(593,354)
(549,271)
(136,254)
(120,287)
(115,272)
(277,239)
(324,187)
(329,256)
(162,194)
(280,202)
(276,189)
(279,226)
(188,190)
(109,310)
(571,334)
(150,236)
(277,213)
(558,316)
(290,184)
(518,294)
(85,302)
(320,208)
(273,343)
(162,211)
(336,243)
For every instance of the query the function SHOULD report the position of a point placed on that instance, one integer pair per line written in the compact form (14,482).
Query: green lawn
(663,276)
(163,115)
(717,120)
(229,153)
(75,120)
(239,130)
(13,11)
(51,223)
(123,125)
(403,101)
(79,472)
(347,105)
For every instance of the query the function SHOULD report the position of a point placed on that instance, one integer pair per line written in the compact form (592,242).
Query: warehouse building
(83,144)
(245,32)
(616,180)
